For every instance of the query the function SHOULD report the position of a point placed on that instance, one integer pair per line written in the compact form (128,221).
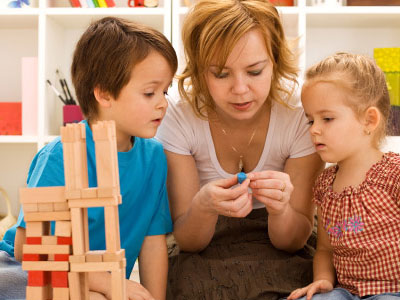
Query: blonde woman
(233,116)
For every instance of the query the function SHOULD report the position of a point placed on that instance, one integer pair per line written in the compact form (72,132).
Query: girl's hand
(136,291)
(319,286)
(219,198)
(273,189)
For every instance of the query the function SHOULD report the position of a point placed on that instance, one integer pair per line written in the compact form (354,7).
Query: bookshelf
(50,28)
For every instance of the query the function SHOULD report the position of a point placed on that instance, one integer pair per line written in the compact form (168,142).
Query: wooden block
(46,249)
(61,293)
(100,132)
(45,207)
(33,240)
(67,135)
(34,257)
(73,194)
(61,206)
(78,285)
(38,278)
(96,266)
(46,194)
(59,279)
(48,216)
(94,256)
(64,240)
(36,229)
(29,207)
(63,228)
(45,265)
(114,256)
(50,257)
(104,192)
(61,257)
(118,284)
(93,202)
(77,259)
(78,240)
(111,221)
(38,292)
(49,240)
(89,193)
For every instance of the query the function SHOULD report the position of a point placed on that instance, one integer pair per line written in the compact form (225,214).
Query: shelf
(18,139)
(19,18)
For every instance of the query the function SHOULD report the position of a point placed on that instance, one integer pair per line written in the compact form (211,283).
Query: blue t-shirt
(144,209)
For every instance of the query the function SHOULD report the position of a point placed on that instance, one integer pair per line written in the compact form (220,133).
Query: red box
(72,114)
(10,118)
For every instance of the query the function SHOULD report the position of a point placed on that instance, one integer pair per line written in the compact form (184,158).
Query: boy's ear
(372,118)
(102,97)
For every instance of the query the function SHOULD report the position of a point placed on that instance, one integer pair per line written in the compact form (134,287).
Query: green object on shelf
(388,59)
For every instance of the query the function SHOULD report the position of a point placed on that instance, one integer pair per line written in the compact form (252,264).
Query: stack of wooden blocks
(58,264)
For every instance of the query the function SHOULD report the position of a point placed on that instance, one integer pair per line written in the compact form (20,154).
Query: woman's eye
(220,75)
(255,73)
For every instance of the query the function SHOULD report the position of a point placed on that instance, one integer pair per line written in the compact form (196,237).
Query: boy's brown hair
(106,54)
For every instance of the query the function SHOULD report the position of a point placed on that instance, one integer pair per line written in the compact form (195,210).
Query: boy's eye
(328,119)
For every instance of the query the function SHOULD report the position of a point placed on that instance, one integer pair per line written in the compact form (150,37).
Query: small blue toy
(241,177)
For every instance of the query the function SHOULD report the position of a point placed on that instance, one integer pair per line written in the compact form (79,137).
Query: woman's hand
(219,198)
(319,286)
(273,189)
(136,291)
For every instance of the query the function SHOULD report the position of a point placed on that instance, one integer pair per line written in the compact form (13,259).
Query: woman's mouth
(242,106)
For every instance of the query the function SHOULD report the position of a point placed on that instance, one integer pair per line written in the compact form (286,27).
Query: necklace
(240,165)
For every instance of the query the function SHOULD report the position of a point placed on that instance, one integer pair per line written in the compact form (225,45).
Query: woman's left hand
(273,189)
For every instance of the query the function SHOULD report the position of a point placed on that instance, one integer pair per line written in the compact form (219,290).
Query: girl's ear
(372,118)
(102,97)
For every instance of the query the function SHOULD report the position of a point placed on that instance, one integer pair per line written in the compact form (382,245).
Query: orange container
(10,118)
(282,2)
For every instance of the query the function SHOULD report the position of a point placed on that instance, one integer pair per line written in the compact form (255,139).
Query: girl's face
(243,86)
(336,131)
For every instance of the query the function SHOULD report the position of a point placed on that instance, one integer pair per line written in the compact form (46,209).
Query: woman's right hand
(219,198)
(319,286)
(136,291)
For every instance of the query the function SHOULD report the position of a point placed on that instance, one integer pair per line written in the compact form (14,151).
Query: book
(96,3)
(75,3)
(102,3)
(83,3)
(110,3)
(90,3)
(29,93)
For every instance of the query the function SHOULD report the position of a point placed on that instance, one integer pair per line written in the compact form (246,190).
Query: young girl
(346,101)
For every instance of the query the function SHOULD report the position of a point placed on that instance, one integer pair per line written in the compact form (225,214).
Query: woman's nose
(240,85)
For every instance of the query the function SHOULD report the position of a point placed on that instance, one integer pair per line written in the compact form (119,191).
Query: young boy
(113,72)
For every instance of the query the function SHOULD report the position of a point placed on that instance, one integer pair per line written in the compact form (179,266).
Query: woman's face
(242,87)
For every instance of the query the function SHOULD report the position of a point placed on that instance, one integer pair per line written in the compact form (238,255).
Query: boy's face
(141,104)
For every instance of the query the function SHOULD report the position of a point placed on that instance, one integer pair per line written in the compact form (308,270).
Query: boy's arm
(153,265)
(18,243)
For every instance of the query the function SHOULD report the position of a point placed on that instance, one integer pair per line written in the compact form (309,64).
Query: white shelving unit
(51,29)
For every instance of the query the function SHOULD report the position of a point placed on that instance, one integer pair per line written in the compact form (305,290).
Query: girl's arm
(324,271)
(291,213)
(153,265)
(195,211)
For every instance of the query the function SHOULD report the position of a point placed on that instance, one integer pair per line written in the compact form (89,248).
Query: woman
(234,116)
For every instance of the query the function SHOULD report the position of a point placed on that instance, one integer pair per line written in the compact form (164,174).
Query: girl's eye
(310,122)
(328,119)
(149,94)
(165,93)
(255,73)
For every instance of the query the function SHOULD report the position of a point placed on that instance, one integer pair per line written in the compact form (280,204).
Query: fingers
(238,208)
(136,291)
(96,296)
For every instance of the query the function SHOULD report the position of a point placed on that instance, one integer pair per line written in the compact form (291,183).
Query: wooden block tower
(58,265)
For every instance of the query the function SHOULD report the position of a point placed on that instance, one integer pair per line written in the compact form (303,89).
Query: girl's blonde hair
(211,30)
(363,80)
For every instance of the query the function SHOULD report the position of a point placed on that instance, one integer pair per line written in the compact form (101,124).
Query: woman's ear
(372,118)
(102,97)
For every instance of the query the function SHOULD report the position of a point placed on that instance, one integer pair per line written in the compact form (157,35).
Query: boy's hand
(136,291)
(319,286)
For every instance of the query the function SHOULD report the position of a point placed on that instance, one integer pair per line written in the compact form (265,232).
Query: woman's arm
(18,243)
(195,211)
(291,211)
(153,265)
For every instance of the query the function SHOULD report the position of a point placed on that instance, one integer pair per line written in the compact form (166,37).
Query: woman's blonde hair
(211,30)
(364,81)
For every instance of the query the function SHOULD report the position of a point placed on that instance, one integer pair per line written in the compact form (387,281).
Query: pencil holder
(72,114)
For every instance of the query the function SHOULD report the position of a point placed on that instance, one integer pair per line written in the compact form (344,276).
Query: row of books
(92,3)
(111,3)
